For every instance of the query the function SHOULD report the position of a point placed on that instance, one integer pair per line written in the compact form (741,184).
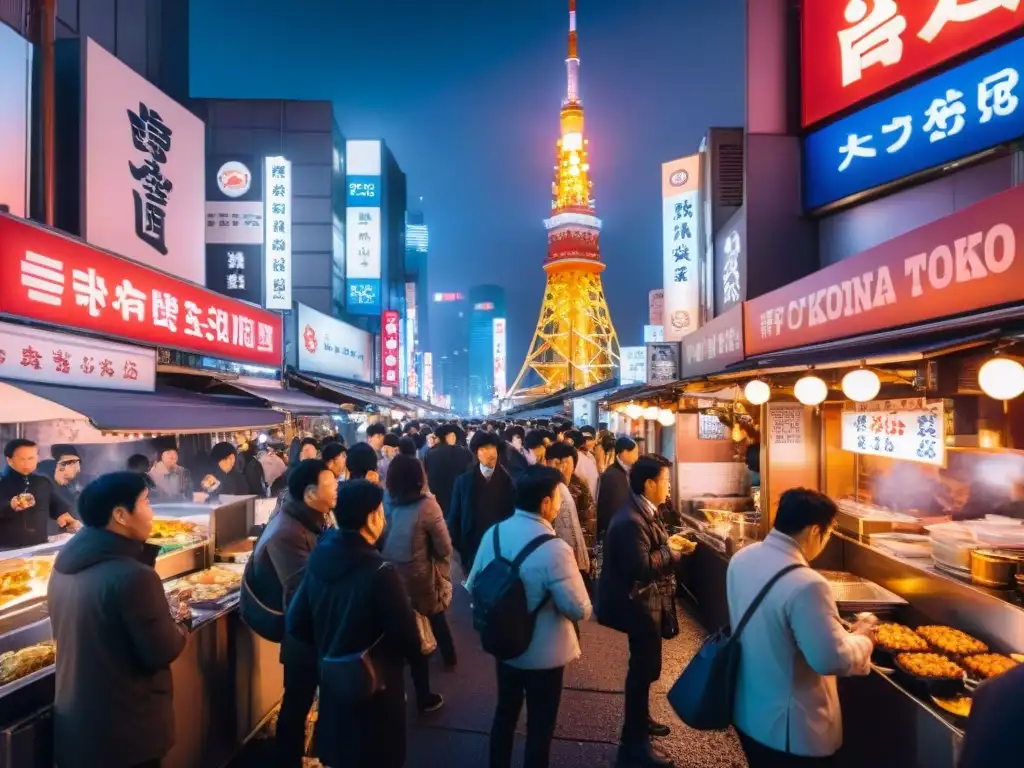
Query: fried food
(679,543)
(958,705)
(221,576)
(899,639)
(988,665)
(1018,657)
(929,666)
(208,593)
(170,529)
(15,665)
(14,573)
(952,641)
(11,594)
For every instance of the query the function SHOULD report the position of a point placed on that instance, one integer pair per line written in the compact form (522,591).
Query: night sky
(468,101)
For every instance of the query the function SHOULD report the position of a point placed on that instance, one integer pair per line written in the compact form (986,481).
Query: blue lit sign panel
(958,113)
(363,191)
(363,297)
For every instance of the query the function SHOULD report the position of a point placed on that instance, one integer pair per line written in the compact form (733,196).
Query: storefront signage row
(714,346)
(52,278)
(962,263)
(854,49)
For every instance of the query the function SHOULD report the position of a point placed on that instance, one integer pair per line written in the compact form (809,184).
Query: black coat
(612,495)
(993,732)
(29,526)
(516,462)
(476,505)
(636,558)
(444,463)
(113,704)
(348,599)
(279,563)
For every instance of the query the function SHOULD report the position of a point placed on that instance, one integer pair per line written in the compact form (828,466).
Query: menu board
(787,426)
(910,429)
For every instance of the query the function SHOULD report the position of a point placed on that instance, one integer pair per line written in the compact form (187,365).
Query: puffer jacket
(418,544)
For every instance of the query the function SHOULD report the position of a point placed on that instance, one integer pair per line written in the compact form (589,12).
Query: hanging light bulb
(1002,378)
(861,385)
(757,392)
(666,417)
(634,411)
(737,432)
(651,413)
(810,390)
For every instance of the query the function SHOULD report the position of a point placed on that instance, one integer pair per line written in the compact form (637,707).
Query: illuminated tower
(574,344)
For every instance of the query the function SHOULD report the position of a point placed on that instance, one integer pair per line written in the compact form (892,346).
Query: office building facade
(486,304)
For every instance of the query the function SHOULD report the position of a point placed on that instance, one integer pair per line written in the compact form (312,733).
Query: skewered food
(15,665)
(929,666)
(949,640)
(898,638)
(988,665)
(957,705)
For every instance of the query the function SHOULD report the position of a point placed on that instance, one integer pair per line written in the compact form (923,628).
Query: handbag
(265,621)
(703,695)
(428,643)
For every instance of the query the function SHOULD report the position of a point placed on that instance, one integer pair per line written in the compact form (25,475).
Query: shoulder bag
(265,621)
(704,693)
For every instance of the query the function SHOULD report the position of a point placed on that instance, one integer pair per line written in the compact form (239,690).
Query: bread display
(929,666)
(898,639)
(15,665)
(988,665)
(951,641)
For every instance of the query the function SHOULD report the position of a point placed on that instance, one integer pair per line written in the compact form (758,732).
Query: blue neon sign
(958,113)
(363,191)
(363,297)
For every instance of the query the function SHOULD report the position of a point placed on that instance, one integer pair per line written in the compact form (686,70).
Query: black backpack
(500,612)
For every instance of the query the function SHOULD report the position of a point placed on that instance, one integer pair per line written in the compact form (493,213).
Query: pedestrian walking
(613,490)
(555,598)
(352,608)
(444,463)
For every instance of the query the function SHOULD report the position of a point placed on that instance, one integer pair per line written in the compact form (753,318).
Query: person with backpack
(786,707)
(527,596)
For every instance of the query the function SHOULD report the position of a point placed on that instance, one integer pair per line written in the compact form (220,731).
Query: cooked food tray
(854,593)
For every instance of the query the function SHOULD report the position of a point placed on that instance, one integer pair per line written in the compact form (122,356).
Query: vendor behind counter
(28,501)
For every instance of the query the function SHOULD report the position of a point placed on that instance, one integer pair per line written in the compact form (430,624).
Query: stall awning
(354,392)
(166,411)
(290,400)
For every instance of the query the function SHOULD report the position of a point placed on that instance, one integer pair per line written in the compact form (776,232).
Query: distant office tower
(486,304)
(449,328)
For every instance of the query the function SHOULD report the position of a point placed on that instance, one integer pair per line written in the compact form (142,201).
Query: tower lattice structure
(575,344)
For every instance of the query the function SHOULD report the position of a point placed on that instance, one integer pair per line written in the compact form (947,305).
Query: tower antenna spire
(572,63)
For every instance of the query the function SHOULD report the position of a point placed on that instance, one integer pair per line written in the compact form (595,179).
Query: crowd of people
(357,566)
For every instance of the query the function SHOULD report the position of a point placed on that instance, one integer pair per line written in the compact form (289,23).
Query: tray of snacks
(171,535)
(936,673)
(951,641)
(211,588)
(18,666)
(985,666)
(891,639)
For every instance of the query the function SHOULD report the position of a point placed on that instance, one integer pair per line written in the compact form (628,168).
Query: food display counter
(227,680)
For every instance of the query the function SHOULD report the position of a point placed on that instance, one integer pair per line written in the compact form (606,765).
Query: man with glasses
(65,468)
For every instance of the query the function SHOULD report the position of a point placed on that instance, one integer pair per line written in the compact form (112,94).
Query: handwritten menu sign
(787,426)
(910,429)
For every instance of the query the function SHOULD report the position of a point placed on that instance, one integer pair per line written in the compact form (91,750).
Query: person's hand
(373,477)
(865,625)
(23,501)
(67,521)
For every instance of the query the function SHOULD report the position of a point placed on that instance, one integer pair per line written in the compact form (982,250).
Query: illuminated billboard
(500,357)
(681,214)
(363,226)
(277,233)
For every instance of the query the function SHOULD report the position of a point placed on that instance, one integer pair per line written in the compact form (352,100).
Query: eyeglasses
(68,463)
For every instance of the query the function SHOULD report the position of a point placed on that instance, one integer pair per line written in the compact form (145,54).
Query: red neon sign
(390,324)
(853,49)
(56,279)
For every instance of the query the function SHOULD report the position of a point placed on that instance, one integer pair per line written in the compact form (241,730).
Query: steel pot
(994,568)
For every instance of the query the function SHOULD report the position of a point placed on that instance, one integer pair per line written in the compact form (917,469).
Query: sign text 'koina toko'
(333,348)
(277,240)
(390,343)
(954,115)
(61,281)
(143,170)
(962,263)
(854,49)
(681,215)
(714,346)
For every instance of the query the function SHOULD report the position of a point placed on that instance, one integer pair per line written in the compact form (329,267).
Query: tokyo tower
(574,345)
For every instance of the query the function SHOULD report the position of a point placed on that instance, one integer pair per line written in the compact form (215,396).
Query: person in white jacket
(567,525)
(553,584)
(786,708)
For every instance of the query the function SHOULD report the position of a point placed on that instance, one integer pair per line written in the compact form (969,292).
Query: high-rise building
(449,328)
(486,304)
(417,298)
(575,344)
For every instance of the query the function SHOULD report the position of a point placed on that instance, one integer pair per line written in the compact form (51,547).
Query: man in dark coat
(113,704)
(613,490)
(279,562)
(28,501)
(636,557)
(482,496)
(534,444)
(445,462)
(993,733)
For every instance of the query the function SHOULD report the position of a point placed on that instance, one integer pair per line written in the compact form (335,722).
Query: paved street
(590,715)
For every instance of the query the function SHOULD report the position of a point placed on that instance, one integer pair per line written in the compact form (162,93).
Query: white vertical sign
(428,376)
(632,365)
(277,196)
(681,207)
(500,355)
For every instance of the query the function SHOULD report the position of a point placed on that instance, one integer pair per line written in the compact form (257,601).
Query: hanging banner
(277,241)
(680,215)
(909,429)
(390,332)
(500,362)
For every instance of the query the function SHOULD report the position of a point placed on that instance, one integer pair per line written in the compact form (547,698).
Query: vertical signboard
(663,362)
(632,365)
(656,306)
(390,342)
(15,111)
(428,376)
(500,355)
(731,263)
(680,210)
(234,227)
(277,239)
(363,229)
(143,170)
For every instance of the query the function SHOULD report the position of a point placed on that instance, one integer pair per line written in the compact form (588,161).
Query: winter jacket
(420,548)
(586,469)
(586,507)
(113,704)
(477,504)
(567,527)
(550,570)
(517,462)
(612,495)
(444,463)
(27,527)
(279,562)
(348,600)
(171,485)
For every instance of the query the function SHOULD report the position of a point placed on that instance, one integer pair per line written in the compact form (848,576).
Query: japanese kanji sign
(277,233)
(500,333)
(953,115)
(911,430)
(143,170)
(714,346)
(390,330)
(854,49)
(32,354)
(58,280)
(681,217)
(962,263)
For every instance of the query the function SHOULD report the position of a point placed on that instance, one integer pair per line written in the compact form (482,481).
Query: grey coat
(418,544)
